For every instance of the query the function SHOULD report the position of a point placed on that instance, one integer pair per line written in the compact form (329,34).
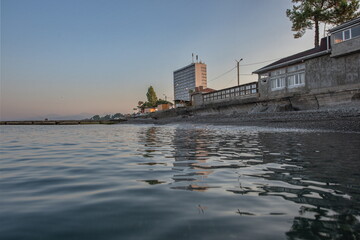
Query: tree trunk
(316,33)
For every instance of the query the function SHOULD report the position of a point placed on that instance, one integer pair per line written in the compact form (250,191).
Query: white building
(187,78)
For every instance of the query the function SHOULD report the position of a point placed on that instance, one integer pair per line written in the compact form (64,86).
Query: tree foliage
(107,117)
(95,118)
(152,100)
(151,96)
(149,105)
(117,116)
(307,14)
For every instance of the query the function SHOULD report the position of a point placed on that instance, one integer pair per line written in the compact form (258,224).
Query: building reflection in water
(190,151)
(317,171)
(150,141)
(200,152)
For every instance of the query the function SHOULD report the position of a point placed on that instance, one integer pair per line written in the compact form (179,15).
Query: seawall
(296,102)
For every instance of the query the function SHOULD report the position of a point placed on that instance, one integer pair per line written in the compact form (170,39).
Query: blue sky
(69,57)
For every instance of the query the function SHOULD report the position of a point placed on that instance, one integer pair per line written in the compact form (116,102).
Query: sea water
(178,182)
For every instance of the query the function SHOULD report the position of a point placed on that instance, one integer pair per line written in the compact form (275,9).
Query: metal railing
(242,90)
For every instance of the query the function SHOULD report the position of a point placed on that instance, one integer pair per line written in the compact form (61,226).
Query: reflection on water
(317,171)
(178,182)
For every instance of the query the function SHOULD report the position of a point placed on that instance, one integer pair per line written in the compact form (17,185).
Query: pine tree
(307,14)
(151,96)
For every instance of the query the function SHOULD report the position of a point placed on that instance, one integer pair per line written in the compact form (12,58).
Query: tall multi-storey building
(186,79)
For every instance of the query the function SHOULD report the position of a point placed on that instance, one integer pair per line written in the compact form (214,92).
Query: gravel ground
(335,119)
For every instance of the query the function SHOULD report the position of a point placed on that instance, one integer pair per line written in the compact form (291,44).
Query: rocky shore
(341,118)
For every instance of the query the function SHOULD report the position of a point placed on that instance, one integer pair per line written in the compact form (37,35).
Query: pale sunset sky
(88,57)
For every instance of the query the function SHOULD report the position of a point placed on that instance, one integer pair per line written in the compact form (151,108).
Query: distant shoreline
(61,122)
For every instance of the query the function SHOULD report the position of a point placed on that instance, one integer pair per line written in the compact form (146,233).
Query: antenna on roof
(192,57)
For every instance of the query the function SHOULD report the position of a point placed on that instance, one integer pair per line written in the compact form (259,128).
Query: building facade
(332,67)
(186,79)
(210,96)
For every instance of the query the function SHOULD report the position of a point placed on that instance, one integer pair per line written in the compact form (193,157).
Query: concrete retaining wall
(255,105)
(338,73)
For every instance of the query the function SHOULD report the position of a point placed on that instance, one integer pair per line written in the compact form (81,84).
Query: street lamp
(238,70)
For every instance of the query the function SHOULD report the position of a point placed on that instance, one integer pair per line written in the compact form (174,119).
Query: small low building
(333,67)
(150,110)
(162,107)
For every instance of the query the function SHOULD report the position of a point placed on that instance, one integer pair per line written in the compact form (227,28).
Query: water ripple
(179,182)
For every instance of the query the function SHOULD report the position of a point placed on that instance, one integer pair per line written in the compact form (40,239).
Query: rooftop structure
(345,38)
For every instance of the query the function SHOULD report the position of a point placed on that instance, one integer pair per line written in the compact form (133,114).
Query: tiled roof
(298,57)
(208,90)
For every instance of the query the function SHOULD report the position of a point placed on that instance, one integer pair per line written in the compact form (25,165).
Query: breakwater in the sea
(60,122)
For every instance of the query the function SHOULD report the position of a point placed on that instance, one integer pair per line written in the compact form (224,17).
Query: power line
(250,64)
(243,65)
(222,74)
(231,81)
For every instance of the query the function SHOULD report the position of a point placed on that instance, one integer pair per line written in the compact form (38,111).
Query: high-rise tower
(187,78)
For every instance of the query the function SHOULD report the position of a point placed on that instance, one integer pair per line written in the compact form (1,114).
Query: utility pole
(238,70)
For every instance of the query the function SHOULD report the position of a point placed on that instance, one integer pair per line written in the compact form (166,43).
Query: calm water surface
(178,182)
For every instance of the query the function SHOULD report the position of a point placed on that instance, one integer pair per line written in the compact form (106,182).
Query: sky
(87,57)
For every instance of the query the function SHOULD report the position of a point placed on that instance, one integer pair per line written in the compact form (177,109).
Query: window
(277,83)
(347,34)
(291,80)
(338,37)
(278,79)
(296,67)
(236,91)
(291,76)
(278,72)
(296,80)
(264,75)
(355,31)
